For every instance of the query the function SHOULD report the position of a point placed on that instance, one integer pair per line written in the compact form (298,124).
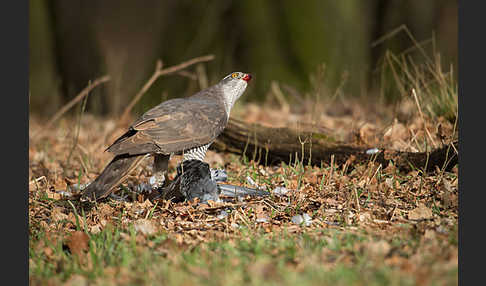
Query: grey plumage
(195,180)
(176,126)
(237,191)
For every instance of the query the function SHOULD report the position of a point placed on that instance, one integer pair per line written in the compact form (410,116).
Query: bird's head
(233,86)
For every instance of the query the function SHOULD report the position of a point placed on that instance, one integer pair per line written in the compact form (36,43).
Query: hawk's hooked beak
(247,77)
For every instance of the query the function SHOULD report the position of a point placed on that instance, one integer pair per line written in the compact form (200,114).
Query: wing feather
(174,126)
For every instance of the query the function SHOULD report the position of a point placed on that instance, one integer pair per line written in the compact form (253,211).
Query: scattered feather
(304,219)
(251,181)
(280,191)
(372,151)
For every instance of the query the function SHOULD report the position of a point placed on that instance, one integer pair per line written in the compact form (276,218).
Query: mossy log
(270,146)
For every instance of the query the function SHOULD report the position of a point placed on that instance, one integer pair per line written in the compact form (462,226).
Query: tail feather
(113,174)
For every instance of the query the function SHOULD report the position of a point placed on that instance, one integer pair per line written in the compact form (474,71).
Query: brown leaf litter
(349,197)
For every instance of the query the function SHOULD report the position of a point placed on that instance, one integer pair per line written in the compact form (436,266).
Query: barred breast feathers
(198,153)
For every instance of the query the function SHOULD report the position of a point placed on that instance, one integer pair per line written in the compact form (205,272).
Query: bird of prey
(184,126)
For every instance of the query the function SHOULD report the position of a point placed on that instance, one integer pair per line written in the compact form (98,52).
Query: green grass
(309,259)
(118,255)
(344,252)
(436,88)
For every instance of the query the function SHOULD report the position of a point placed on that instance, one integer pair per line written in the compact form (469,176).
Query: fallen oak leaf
(78,242)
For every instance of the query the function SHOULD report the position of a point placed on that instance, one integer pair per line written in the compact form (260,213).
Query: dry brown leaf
(95,228)
(57,214)
(105,210)
(367,133)
(78,242)
(396,132)
(49,252)
(384,207)
(421,212)
(261,215)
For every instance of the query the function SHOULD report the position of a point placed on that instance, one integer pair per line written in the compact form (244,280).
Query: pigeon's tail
(237,191)
(113,174)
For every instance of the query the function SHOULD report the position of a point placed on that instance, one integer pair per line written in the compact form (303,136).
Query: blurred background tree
(72,42)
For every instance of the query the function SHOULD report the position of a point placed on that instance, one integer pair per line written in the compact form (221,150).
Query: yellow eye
(234,75)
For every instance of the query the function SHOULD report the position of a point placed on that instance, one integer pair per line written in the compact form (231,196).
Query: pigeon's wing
(174,126)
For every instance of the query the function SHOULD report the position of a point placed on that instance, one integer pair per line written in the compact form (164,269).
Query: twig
(187,74)
(83,165)
(414,138)
(158,73)
(38,179)
(374,175)
(422,116)
(451,144)
(410,36)
(202,76)
(238,212)
(357,198)
(70,104)
(78,128)
(330,171)
(277,92)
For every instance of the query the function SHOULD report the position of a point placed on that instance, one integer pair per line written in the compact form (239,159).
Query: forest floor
(333,224)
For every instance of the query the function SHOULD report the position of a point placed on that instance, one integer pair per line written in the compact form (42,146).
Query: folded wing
(173,126)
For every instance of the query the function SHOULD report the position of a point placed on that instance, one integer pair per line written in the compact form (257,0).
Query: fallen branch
(275,145)
(70,104)
(158,73)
